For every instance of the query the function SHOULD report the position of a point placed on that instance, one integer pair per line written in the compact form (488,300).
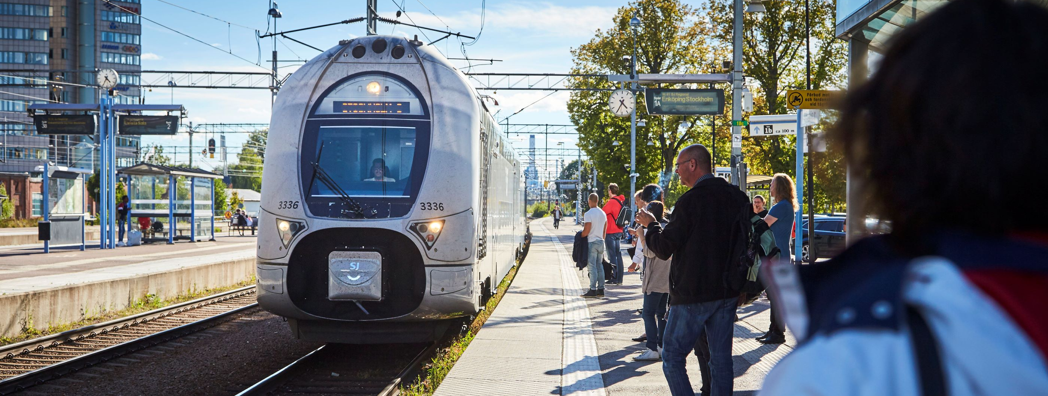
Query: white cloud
(512,101)
(151,56)
(216,45)
(525,19)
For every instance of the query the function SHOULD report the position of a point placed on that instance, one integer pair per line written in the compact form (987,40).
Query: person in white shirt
(595,229)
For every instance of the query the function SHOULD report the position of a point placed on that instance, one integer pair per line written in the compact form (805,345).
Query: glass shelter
(171,203)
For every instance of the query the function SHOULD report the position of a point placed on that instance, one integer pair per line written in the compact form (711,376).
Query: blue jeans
(654,315)
(611,242)
(120,225)
(596,265)
(683,327)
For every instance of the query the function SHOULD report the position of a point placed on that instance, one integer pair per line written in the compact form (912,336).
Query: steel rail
(38,376)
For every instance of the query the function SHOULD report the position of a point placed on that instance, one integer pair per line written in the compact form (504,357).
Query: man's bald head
(594,200)
(702,157)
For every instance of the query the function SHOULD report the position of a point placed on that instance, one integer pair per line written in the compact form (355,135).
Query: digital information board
(352,107)
(684,101)
(64,124)
(147,125)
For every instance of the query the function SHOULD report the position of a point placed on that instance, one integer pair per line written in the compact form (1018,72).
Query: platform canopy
(146,169)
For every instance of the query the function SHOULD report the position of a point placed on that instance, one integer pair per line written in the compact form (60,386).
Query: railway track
(339,369)
(33,362)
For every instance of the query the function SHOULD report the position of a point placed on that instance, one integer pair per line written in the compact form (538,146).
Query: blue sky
(528,36)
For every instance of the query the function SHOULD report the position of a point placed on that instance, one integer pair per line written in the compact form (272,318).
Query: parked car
(830,234)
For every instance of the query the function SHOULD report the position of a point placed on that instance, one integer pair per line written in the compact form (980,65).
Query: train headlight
(288,230)
(374,87)
(428,231)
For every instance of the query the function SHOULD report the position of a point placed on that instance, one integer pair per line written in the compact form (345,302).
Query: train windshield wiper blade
(322,175)
(319,171)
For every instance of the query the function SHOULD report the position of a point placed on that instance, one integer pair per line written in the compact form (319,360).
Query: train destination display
(147,125)
(372,107)
(684,101)
(52,124)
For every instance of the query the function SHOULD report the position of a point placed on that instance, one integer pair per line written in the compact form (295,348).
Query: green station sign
(147,125)
(54,124)
(684,101)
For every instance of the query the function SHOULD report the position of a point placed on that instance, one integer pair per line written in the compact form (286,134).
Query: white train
(391,202)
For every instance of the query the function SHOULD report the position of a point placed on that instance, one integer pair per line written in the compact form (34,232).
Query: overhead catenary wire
(405,11)
(25,96)
(46,80)
(124,9)
(206,15)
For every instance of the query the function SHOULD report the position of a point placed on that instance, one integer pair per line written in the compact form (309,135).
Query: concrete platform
(67,285)
(543,339)
(29,236)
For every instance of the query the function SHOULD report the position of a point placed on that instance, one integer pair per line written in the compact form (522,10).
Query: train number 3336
(431,206)
(287,204)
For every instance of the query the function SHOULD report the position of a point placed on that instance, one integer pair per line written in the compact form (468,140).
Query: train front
(367,230)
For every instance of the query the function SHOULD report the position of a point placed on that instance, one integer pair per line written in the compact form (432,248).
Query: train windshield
(365,161)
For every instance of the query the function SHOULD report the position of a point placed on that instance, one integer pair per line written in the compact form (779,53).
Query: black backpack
(752,243)
(625,215)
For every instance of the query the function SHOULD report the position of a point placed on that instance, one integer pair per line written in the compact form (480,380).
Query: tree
(247,173)
(235,201)
(7,208)
(155,155)
(672,39)
(221,197)
(774,59)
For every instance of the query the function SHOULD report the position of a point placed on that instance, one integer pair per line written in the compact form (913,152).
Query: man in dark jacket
(698,238)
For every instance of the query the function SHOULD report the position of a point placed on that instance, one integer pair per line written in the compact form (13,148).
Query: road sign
(810,99)
(736,140)
(684,101)
(773,125)
(148,125)
(739,123)
(64,124)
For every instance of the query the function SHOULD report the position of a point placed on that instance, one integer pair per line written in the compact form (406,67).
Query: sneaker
(593,294)
(660,351)
(649,356)
(600,292)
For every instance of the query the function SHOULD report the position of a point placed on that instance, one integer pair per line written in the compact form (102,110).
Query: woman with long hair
(656,288)
(780,220)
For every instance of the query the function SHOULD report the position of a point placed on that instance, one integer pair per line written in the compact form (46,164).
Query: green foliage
(248,171)
(538,209)
(221,196)
(672,39)
(155,155)
(18,223)
(235,201)
(7,208)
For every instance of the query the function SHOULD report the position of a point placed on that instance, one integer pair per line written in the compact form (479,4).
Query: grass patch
(147,303)
(445,358)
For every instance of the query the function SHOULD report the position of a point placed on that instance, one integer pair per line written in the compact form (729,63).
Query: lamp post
(634,25)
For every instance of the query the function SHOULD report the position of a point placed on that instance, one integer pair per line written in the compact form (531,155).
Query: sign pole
(799,219)
(192,209)
(103,182)
(45,201)
(112,175)
(211,231)
(172,190)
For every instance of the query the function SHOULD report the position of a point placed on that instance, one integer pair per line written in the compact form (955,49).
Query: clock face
(107,78)
(621,102)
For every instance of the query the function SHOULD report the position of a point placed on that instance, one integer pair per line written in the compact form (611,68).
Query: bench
(234,227)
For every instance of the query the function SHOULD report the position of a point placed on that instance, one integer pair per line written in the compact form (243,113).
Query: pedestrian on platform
(595,230)
(637,231)
(698,240)
(780,221)
(612,208)
(656,288)
(557,214)
(953,300)
(758,206)
(122,209)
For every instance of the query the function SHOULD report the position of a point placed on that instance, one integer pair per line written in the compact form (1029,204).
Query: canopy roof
(146,169)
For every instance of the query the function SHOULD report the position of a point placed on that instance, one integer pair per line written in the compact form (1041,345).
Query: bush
(537,210)
(15,223)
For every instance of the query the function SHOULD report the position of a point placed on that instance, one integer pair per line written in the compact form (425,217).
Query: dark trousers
(776,328)
(702,352)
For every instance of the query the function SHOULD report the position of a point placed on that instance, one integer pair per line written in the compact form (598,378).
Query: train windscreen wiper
(324,177)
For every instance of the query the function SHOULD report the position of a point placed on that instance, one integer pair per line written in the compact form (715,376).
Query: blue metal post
(112,175)
(798,223)
(83,215)
(172,190)
(211,231)
(192,209)
(46,210)
(103,150)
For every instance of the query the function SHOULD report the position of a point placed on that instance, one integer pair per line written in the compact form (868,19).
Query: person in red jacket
(611,242)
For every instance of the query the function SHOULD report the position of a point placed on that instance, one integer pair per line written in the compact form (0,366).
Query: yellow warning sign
(811,99)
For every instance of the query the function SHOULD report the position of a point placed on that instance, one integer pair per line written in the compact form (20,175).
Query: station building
(47,42)
(867,26)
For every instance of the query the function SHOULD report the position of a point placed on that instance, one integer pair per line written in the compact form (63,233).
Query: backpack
(625,215)
(752,243)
